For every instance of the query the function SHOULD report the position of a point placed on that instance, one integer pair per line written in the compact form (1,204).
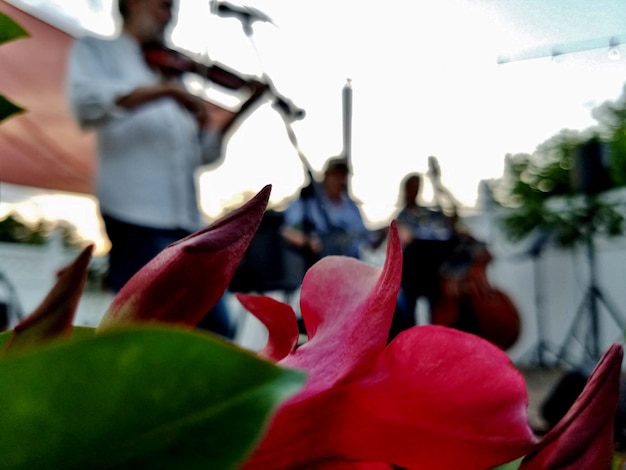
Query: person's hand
(194,104)
(301,240)
(405,234)
(258,87)
(219,118)
(314,243)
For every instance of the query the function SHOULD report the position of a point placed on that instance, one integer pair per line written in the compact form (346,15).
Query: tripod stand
(590,303)
(538,354)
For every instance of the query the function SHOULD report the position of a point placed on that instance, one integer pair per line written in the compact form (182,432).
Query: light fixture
(614,53)
(557,55)
(557,52)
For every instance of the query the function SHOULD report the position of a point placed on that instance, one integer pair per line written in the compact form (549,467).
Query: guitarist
(324,220)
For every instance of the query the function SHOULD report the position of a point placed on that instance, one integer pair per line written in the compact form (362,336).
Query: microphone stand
(289,113)
(287,110)
(246,17)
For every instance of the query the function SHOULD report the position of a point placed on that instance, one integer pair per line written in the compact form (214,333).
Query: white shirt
(147,156)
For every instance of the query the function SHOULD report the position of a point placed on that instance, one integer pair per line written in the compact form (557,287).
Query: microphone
(288,109)
(243,13)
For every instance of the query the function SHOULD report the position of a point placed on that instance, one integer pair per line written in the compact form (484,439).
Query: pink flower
(584,437)
(183,282)
(434,398)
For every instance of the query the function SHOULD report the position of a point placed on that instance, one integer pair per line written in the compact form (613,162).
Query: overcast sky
(425,78)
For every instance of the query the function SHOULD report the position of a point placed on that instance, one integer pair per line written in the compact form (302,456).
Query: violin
(173,63)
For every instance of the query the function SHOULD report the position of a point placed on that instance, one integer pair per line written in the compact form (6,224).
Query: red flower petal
(183,282)
(435,398)
(584,437)
(347,307)
(280,320)
(54,316)
(347,465)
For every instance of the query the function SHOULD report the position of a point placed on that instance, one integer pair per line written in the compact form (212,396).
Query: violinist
(152,136)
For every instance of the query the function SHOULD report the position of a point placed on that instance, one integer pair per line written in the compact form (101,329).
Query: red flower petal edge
(280,321)
(583,439)
(54,316)
(182,283)
(347,306)
(348,465)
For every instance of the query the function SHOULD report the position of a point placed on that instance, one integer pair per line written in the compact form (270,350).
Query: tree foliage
(543,189)
(612,123)
(14,230)
(9,30)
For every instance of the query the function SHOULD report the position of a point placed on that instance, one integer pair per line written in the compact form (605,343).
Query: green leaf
(511,465)
(149,397)
(77,332)
(10,30)
(7,108)
(4,337)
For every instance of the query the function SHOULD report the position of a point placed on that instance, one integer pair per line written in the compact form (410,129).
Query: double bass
(467,301)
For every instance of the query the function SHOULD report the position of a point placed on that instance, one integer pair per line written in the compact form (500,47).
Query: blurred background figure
(444,264)
(152,136)
(417,222)
(324,220)
(428,237)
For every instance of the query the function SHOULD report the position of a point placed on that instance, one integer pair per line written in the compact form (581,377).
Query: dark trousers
(404,314)
(133,246)
(421,263)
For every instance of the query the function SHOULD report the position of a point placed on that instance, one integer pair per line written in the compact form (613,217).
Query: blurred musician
(152,136)
(428,238)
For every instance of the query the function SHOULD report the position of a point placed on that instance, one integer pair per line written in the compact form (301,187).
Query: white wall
(552,293)
(562,276)
(28,272)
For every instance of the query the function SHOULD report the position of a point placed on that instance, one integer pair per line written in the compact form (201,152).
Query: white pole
(347,120)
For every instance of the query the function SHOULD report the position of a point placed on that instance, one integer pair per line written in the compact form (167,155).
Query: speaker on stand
(590,171)
(591,177)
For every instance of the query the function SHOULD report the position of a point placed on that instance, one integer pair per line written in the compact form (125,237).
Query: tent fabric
(43,147)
